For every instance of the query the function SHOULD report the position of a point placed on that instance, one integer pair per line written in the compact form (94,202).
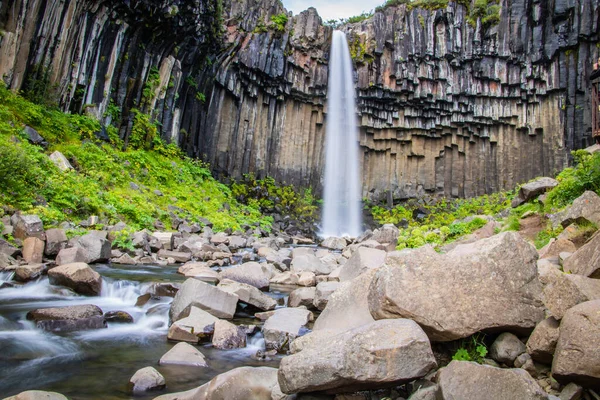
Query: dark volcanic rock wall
(444,107)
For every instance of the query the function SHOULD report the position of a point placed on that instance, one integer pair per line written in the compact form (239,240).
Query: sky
(333,9)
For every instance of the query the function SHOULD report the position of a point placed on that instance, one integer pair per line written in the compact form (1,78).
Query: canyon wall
(445,104)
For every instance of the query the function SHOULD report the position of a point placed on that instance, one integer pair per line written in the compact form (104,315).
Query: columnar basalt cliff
(445,105)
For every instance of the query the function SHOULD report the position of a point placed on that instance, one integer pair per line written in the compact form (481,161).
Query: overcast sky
(333,9)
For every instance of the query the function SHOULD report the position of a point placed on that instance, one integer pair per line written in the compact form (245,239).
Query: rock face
(577,356)
(474,287)
(429,85)
(471,381)
(77,276)
(202,295)
(368,357)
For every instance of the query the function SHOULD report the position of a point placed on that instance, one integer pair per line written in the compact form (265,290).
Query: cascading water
(342,197)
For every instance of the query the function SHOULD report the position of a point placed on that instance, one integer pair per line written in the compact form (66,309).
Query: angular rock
(69,318)
(37,395)
(555,247)
(124,259)
(323,292)
(307,278)
(96,248)
(334,243)
(302,297)
(8,249)
(285,278)
(202,295)
(145,380)
(572,391)
(531,190)
(251,273)
(33,250)
(236,242)
(361,261)
(489,284)
(586,260)
(7,262)
(25,273)
(388,233)
(183,354)
(585,209)
(567,291)
(284,326)
(56,240)
(77,276)
(228,336)
(198,325)
(164,289)
(309,263)
(28,226)
(506,348)
(199,270)
(60,161)
(577,356)
(542,342)
(165,238)
(470,381)
(248,294)
(175,255)
(71,255)
(368,357)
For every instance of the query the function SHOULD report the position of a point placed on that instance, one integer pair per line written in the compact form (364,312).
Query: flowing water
(342,197)
(97,364)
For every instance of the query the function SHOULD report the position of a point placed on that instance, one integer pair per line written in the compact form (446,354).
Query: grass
(108,181)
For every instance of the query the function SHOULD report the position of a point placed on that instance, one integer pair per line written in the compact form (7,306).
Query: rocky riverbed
(246,315)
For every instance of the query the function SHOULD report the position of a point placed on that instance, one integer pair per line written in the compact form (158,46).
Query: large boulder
(369,357)
(145,380)
(77,276)
(33,250)
(362,260)
(284,326)
(28,226)
(309,262)
(56,240)
(577,356)
(198,325)
(25,273)
(586,208)
(542,342)
(471,381)
(489,284)
(69,318)
(178,256)
(586,260)
(531,190)
(334,243)
(183,354)
(196,293)
(566,291)
(248,294)
(228,336)
(323,292)
(199,270)
(96,248)
(251,273)
(37,395)
(71,255)
(302,297)
(388,233)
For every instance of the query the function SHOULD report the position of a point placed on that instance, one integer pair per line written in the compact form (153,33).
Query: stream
(98,363)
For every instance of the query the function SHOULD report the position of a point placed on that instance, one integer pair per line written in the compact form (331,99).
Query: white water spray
(342,197)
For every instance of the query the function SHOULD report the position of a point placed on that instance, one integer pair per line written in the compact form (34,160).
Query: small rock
(542,342)
(60,161)
(184,354)
(118,316)
(197,325)
(506,348)
(302,297)
(228,336)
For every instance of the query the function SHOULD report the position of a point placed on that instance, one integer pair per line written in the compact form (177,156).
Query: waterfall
(342,187)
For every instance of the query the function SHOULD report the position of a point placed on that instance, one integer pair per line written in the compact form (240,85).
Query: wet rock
(124,259)
(28,226)
(531,190)
(323,292)
(473,287)
(25,273)
(577,356)
(77,276)
(60,161)
(165,289)
(251,273)
(309,263)
(145,380)
(542,342)
(248,294)
(586,260)
(96,248)
(68,319)
(334,243)
(506,348)
(284,278)
(585,209)
(469,381)
(388,233)
(198,325)
(118,317)
(37,395)
(183,354)
(202,295)
(228,336)
(56,240)
(362,260)
(367,357)
(284,326)
(178,256)
(567,291)
(302,297)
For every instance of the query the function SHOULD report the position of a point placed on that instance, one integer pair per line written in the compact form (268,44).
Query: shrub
(574,181)
(279,22)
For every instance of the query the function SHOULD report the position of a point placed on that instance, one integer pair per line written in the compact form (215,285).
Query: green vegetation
(471,349)
(138,186)
(486,10)
(585,175)
(279,22)
(269,197)
(152,83)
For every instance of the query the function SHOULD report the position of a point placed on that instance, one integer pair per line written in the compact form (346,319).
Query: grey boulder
(77,276)
(196,293)
(586,260)
(251,273)
(145,380)
(183,354)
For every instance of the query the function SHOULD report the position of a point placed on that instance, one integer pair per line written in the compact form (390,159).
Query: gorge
(446,105)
